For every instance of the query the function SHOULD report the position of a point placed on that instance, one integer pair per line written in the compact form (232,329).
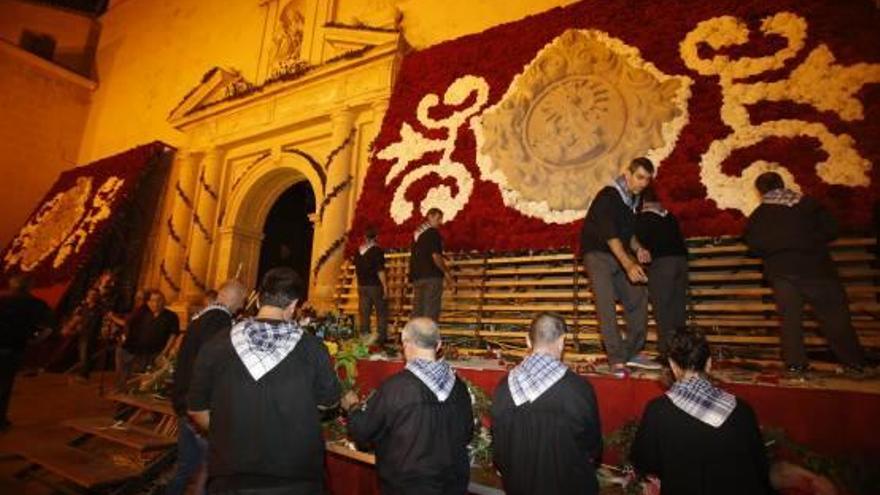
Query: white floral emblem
(818,81)
(62,224)
(413,146)
(583,108)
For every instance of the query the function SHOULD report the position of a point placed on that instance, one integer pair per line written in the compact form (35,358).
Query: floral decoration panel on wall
(73,217)
(512,132)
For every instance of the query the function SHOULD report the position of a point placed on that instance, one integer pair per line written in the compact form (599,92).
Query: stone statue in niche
(288,39)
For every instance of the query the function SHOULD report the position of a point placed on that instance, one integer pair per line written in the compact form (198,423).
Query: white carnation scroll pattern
(818,81)
(63,224)
(584,107)
(412,146)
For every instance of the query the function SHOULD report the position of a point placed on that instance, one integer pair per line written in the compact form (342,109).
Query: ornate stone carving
(584,107)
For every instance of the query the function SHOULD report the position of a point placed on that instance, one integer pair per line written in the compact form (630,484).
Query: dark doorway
(288,233)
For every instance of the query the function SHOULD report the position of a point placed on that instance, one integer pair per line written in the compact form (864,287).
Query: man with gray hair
(214,319)
(546,436)
(420,420)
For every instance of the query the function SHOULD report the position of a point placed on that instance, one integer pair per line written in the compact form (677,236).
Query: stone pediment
(339,39)
(216,85)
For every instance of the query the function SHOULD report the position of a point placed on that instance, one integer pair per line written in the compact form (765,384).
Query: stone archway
(241,233)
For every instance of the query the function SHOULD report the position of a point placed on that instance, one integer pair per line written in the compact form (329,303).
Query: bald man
(420,421)
(213,320)
(545,421)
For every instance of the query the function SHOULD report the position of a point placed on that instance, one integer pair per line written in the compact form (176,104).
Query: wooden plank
(86,469)
(138,438)
(146,402)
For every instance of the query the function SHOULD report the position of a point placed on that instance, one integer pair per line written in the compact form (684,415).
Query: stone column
(333,210)
(177,225)
(202,230)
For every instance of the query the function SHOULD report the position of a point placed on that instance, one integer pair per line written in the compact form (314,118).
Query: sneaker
(619,371)
(643,362)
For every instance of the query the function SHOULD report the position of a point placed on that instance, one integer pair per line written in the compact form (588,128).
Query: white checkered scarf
(211,307)
(263,345)
(363,248)
(782,196)
(654,207)
(534,376)
(436,375)
(699,398)
(629,199)
(421,230)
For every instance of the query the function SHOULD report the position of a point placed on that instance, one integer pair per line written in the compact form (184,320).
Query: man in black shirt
(546,436)
(427,268)
(213,320)
(420,421)
(22,317)
(369,264)
(258,393)
(149,335)
(791,233)
(608,243)
(658,232)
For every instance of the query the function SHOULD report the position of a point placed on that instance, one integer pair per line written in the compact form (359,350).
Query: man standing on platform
(23,317)
(420,421)
(791,232)
(608,245)
(427,268)
(214,319)
(658,232)
(369,264)
(259,394)
(546,436)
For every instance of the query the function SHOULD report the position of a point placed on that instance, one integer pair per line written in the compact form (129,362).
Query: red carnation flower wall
(656,28)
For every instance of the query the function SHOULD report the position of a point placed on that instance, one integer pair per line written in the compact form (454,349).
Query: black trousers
(427,298)
(667,287)
(370,297)
(828,299)
(10,360)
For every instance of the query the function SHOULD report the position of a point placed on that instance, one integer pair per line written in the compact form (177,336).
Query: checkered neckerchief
(782,196)
(262,345)
(436,375)
(702,400)
(534,376)
(629,199)
(211,307)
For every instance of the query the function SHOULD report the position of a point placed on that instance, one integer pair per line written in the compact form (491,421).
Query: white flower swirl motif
(413,146)
(818,82)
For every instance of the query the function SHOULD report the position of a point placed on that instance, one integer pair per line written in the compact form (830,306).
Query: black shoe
(854,371)
(798,371)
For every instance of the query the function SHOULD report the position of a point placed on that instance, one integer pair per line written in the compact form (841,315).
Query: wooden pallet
(135,447)
(82,468)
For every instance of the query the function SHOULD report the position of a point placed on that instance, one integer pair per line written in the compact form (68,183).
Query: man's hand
(349,400)
(447,276)
(643,255)
(636,273)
